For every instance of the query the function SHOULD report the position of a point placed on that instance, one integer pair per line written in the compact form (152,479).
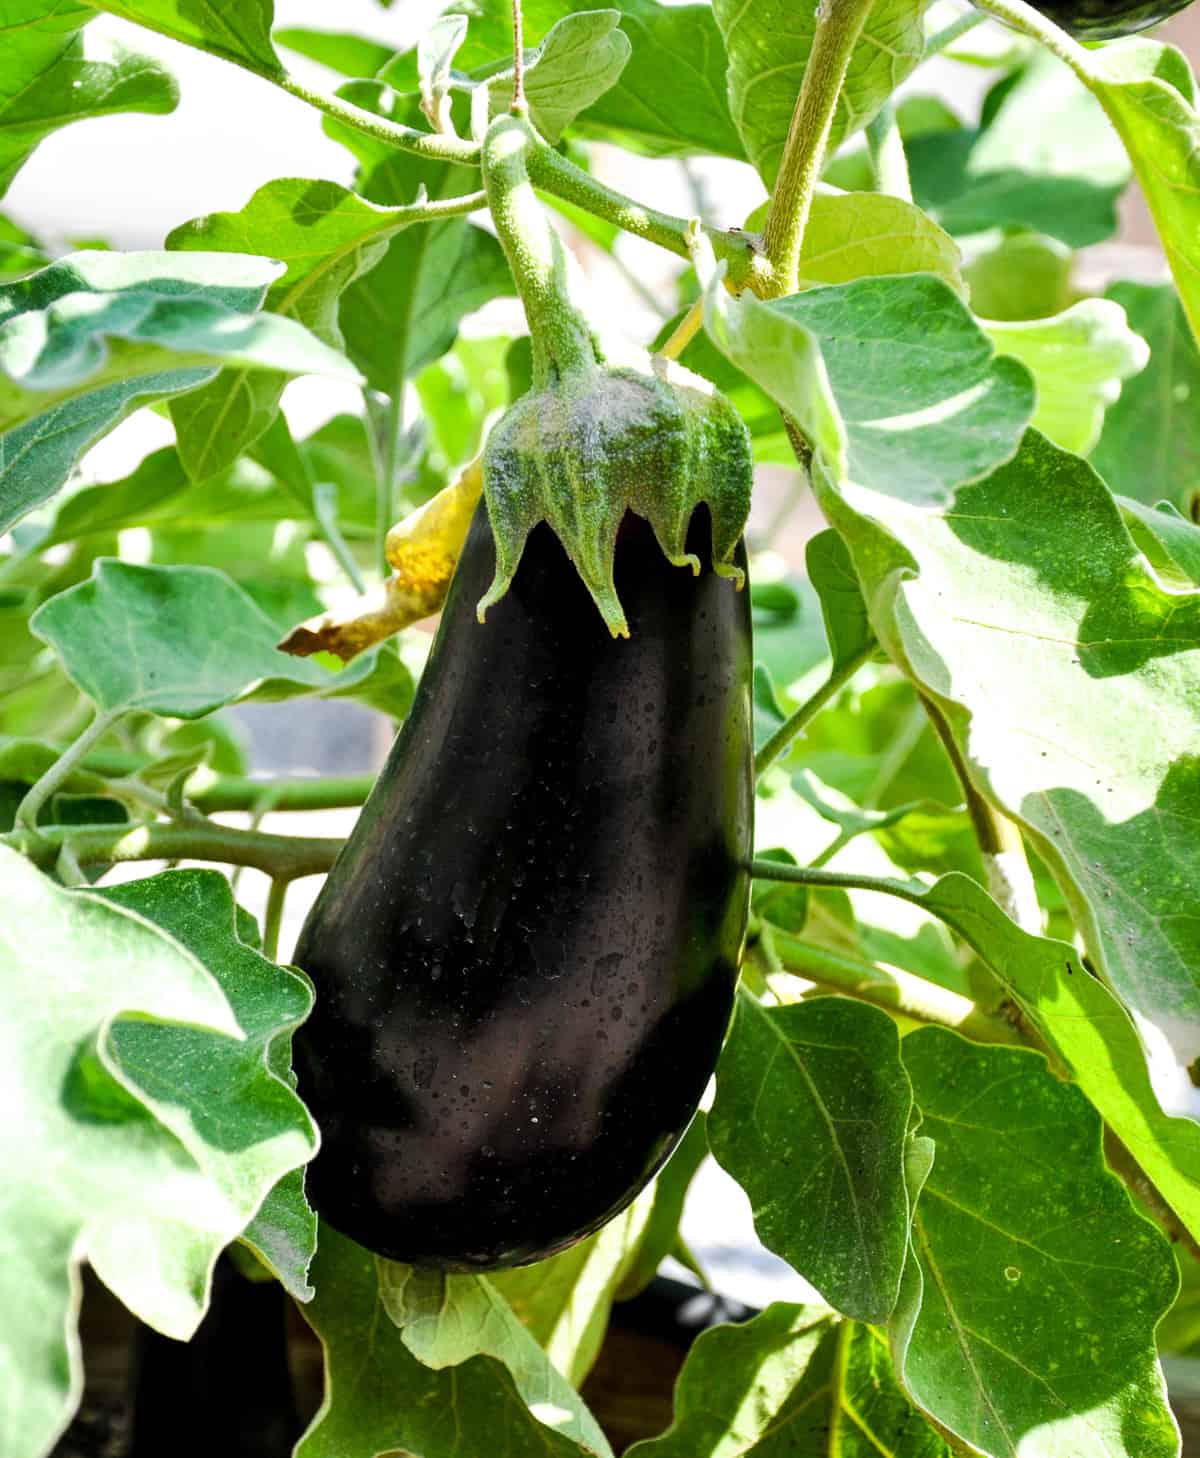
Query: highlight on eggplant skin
(525,956)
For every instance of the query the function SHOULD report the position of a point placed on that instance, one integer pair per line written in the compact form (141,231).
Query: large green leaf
(86,337)
(37,458)
(346,52)
(98,318)
(1061,177)
(792,1383)
(326,236)
(1070,678)
(769,43)
(679,41)
(854,234)
(811,1117)
(196,909)
(580,59)
(1149,93)
(179,641)
(1030,1300)
(236,30)
(1079,359)
(890,379)
(51,75)
(447,1319)
(381,1400)
(1068,671)
(1089,1031)
(144,1125)
(1150,448)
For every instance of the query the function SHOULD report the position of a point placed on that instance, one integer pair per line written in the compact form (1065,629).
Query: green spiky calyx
(581,452)
(596,437)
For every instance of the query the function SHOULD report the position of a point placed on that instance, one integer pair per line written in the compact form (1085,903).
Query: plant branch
(282,857)
(839,25)
(434,146)
(213,793)
(273,920)
(59,772)
(895,991)
(941,39)
(808,711)
(555,174)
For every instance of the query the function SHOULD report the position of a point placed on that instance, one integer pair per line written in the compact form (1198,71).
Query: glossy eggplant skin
(525,956)
(1093,20)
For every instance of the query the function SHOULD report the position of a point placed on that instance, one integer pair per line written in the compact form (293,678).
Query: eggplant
(525,955)
(1093,20)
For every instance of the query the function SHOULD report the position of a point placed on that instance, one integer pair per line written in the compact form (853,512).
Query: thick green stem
(282,857)
(435,146)
(40,792)
(546,276)
(273,920)
(808,710)
(839,25)
(553,173)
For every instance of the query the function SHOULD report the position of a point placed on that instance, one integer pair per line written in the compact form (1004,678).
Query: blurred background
(126,181)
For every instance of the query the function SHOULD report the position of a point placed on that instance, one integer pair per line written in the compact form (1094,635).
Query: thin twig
(273,919)
(518,97)
(809,710)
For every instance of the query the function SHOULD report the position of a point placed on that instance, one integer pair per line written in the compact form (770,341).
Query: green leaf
(1150,448)
(405,313)
(37,458)
(20,252)
(855,234)
(565,1301)
(142,1116)
(346,52)
(769,43)
(85,339)
(1171,542)
(679,41)
(235,30)
(811,1117)
(1089,1030)
(97,318)
(1061,177)
(380,1400)
(326,236)
(1069,678)
(792,1381)
(196,909)
(1078,360)
(179,641)
(847,622)
(890,379)
(661,1232)
(580,59)
(1034,1285)
(1149,94)
(447,1319)
(51,76)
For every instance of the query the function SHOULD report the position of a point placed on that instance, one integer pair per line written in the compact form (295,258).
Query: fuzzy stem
(273,919)
(555,174)
(545,274)
(282,857)
(40,792)
(435,146)
(839,25)
(808,710)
